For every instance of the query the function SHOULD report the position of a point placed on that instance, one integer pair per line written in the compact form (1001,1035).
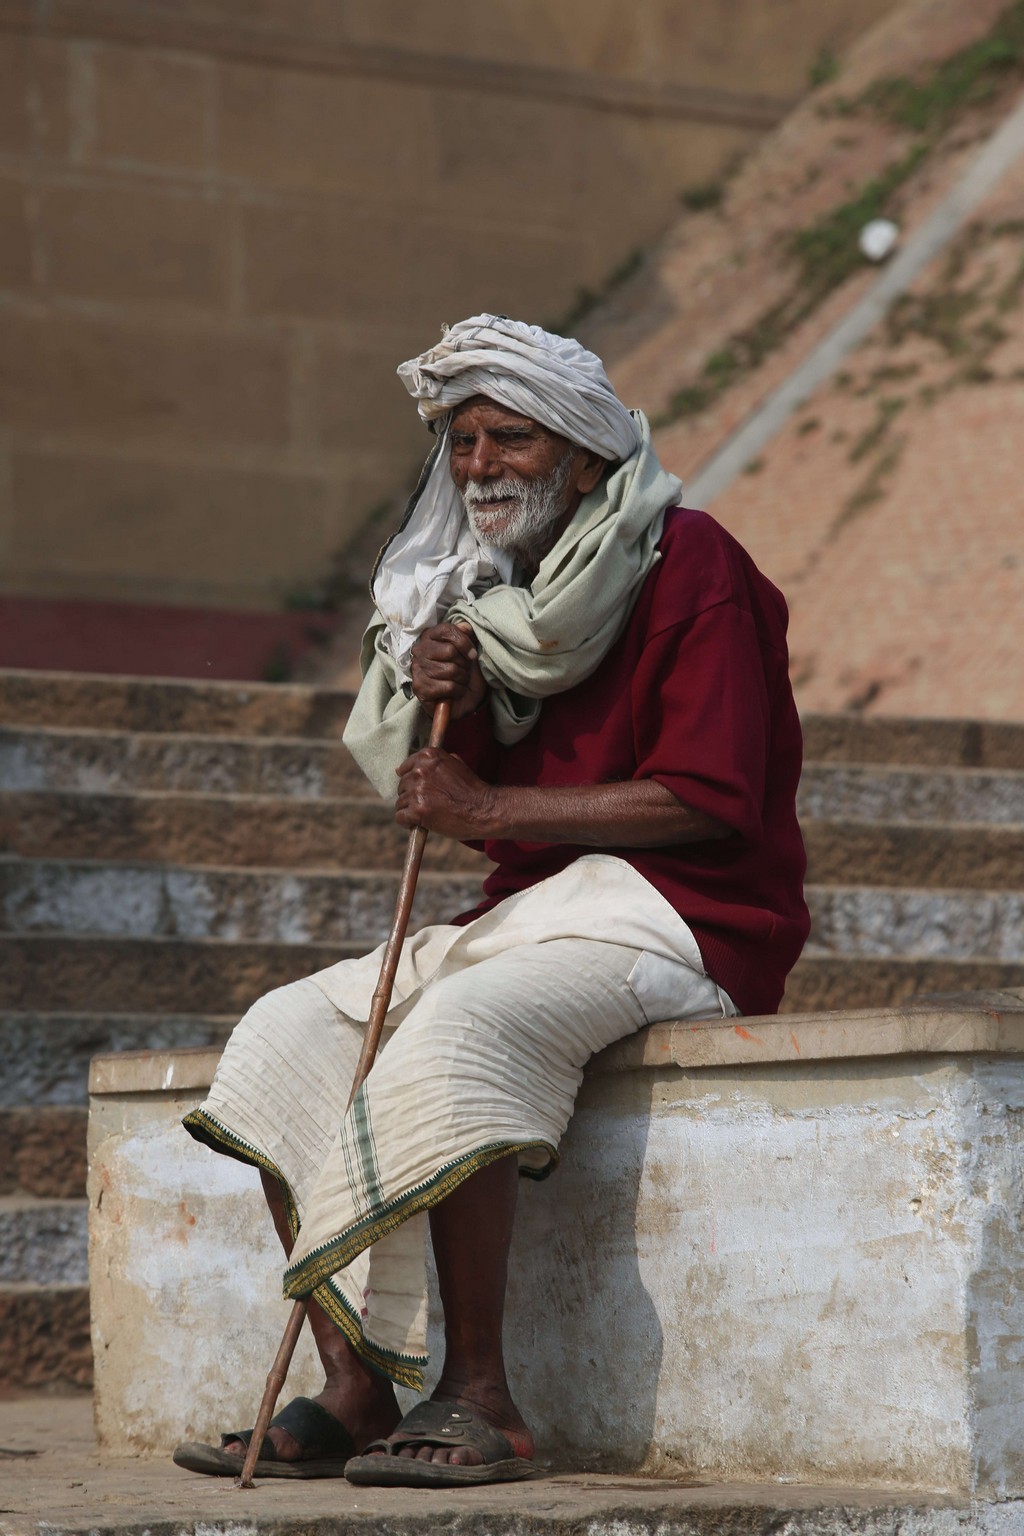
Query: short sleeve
(701,716)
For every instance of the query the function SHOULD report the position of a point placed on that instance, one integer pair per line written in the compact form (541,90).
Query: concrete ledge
(190,1067)
(777,1248)
(976,1022)
(990,1022)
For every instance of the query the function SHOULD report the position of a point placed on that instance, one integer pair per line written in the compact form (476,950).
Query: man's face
(520,481)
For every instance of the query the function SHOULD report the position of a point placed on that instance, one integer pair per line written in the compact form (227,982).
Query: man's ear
(591,468)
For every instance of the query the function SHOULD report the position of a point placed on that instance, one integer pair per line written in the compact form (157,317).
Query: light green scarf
(536,640)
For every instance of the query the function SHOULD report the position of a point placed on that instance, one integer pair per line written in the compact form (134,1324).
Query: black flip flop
(326,1441)
(438,1424)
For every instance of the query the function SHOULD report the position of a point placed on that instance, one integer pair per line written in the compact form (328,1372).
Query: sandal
(326,1443)
(438,1424)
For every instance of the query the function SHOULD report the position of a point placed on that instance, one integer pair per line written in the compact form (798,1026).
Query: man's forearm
(639,813)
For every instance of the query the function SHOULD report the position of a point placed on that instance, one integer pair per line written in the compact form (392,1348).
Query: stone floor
(51,1482)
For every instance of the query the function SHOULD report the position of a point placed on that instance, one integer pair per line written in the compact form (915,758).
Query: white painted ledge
(987,1022)
(775,1248)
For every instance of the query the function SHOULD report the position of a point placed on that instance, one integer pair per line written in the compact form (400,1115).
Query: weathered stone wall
(221,227)
(783,1249)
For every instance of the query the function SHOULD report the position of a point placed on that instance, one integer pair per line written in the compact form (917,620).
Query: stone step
(93,702)
(917,743)
(43,1240)
(46,1055)
(212,977)
(44,1337)
(105,762)
(114,900)
(854,792)
(109,762)
(154,901)
(64,699)
(914,854)
(215,829)
(859,921)
(254,830)
(44,1151)
(825,983)
(158,976)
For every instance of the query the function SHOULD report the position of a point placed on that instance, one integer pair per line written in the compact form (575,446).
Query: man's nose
(484,461)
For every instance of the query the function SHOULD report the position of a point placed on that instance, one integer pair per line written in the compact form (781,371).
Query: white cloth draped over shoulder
(533,640)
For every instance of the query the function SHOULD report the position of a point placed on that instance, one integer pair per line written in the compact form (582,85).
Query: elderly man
(625,748)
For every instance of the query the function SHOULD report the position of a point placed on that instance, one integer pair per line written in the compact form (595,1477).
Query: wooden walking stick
(371,1040)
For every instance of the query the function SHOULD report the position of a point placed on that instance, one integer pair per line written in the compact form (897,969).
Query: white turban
(537,639)
(435,560)
(551,379)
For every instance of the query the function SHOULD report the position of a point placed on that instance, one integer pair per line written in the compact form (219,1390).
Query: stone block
(15,76)
(44,1337)
(361,402)
(130,244)
(213,829)
(110,762)
(33,95)
(936,924)
(491,148)
(329,132)
(256,534)
(46,1056)
(919,743)
(180,1240)
(793,1246)
(57,974)
(328,263)
(147,901)
(842,981)
(44,1152)
(857,792)
(194,707)
(40,1239)
(118,381)
(152,107)
(903,854)
(15,236)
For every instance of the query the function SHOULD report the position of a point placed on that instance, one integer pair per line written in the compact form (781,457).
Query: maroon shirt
(695,694)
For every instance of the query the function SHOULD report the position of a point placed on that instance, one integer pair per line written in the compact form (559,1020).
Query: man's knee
(296,1002)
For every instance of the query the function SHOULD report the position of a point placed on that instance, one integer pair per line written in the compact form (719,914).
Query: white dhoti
(491,1026)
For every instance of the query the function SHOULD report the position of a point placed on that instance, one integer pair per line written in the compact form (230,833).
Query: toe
(286,1445)
(465,1456)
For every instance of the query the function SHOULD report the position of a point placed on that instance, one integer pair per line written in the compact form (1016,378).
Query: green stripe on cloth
(302,1278)
(362,1130)
(404,1370)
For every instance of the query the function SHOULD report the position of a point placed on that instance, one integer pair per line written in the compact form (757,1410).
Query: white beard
(524,526)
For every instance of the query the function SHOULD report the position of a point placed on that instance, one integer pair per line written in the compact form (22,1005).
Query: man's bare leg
(360,1399)
(472,1232)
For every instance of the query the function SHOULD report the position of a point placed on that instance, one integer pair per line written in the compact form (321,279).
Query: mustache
(480,493)
(528,512)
